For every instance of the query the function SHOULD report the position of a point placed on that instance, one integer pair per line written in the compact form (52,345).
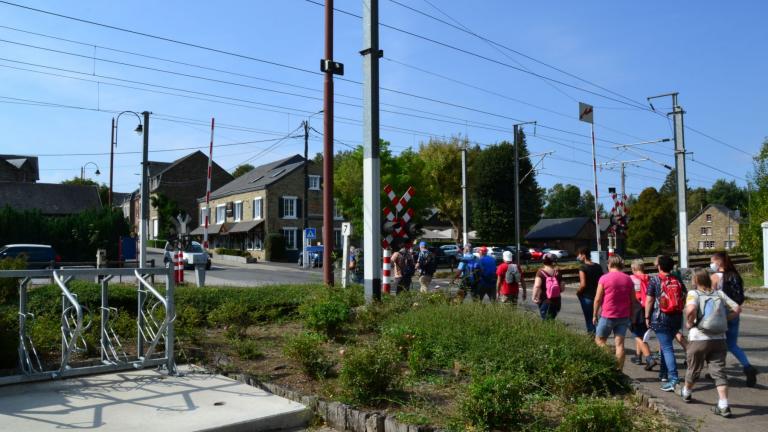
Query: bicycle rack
(154,322)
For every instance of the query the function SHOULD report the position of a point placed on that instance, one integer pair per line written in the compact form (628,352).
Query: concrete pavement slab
(146,400)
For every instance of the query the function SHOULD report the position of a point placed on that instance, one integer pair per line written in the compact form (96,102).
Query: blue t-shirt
(660,320)
(488,266)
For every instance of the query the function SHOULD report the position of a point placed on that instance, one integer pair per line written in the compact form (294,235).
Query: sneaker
(669,386)
(650,363)
(637,360)
(663,379)
(724,412)
(686,397)
(751,374)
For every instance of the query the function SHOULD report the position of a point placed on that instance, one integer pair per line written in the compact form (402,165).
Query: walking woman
(547,288)
(728,279)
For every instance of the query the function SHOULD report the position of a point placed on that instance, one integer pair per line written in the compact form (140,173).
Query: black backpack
(409,267)
(428,264)
(733,287)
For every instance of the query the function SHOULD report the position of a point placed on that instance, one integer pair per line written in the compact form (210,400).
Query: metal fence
(154,323)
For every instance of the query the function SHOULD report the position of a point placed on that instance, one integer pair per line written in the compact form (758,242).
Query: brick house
(716,227)
(267,199)
(15,168)
(183,181)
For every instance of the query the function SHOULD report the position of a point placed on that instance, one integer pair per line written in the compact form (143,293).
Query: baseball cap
(422,244)
(507,256)
(483,250)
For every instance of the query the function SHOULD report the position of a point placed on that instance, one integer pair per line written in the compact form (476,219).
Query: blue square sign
(310,233)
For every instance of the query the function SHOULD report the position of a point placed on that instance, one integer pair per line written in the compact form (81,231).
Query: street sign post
(395,229)
(309,234)
(346,231)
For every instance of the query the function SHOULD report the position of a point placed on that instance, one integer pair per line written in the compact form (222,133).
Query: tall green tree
(697,199)
(651,228)
(242,169)
(729,194)
(563,201)
(750,234)
(492,185)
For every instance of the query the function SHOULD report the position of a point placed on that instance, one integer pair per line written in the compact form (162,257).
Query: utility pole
(371,164)
(329,67)
(517,142)
(306,174)
(144,194)
(682,218)
(111,161)
(464,217)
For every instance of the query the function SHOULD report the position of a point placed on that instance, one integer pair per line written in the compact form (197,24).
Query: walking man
(426,266)
(589,275)
(509,280)
(487,275)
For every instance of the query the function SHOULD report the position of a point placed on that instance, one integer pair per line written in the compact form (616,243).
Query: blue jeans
(588,311)
(549,310)
(732,339)
(666,339)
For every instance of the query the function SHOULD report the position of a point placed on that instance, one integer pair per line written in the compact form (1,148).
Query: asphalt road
(749,405)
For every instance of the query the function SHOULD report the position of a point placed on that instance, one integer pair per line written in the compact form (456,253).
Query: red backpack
(672,298)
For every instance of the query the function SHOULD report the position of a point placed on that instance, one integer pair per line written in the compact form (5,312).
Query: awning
(243,227)
(213,229)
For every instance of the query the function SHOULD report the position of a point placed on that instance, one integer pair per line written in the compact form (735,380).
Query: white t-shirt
(694,334)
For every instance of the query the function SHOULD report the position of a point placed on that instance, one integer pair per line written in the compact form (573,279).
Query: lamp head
(97,171)
(139,129)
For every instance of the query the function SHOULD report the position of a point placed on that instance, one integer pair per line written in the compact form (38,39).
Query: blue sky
(713,55)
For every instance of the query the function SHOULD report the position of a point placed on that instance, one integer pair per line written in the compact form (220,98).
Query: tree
(442,177)
(242,169)
(563,201)
(651,228)
(697,200)
(493,203)
(750,234)
(728,194)
(587,205)
(103,189)
(167,210)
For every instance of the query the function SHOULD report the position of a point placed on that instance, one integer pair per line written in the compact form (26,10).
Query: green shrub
(368,372)
(235,316)
(597,415)
(9,335)
(157,243)
(247,349)
(9,287)
(274,247)
(326,312)
(496,401)
(232,252)
(306,349)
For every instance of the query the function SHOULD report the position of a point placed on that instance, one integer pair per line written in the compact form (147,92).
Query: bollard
(200,275)
(386,279)
(764,226)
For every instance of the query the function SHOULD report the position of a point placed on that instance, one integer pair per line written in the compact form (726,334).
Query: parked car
(193,254)
(453,250)
(315,256)
(37,255)
(525,255)
(496,252)
(559,253)
(536,254)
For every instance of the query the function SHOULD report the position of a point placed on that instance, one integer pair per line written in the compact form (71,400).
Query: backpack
(472,271)
(712,315)
(513,274)
(409,267)
(671,300)
(552,284)
(733,287)
(427,263)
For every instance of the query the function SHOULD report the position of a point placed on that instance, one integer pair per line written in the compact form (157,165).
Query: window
(238,211)
(275,174)
(730,230)
(709,218)
(221,213)
(701,245)
(253,241)
(203,212)
(257,179)
(337,238)
(314,182)
(730,244)
(289,207)
(337,210)
(709,245)
(257,209)
(703,230)
(290,238)
(155,228)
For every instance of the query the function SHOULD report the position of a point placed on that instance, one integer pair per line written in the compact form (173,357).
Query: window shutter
(280,207)
(299,208)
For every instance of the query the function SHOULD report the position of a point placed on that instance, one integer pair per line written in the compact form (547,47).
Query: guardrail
(155,317)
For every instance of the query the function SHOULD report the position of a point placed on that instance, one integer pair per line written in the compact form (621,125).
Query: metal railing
(154,321)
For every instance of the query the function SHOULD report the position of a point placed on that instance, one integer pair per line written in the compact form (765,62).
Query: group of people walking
(660,304)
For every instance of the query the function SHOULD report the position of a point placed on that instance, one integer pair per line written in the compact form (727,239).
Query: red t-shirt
(507,289)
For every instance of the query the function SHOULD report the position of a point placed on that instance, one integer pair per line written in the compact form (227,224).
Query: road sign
(310,233)
(182,222)
(586,113)
(346,229)
(395,230)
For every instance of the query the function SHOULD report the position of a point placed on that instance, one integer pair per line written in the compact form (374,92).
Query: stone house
(183,181)
(15,168)
(268,199)
(716,227)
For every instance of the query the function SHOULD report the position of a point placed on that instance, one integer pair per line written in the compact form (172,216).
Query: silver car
(195,254)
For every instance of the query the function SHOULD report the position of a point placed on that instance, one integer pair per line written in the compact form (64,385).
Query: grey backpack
(512,275)
(712,316)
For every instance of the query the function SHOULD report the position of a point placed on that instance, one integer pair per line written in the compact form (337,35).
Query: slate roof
(157,168)
(260,177)
(49,198)
(551,229)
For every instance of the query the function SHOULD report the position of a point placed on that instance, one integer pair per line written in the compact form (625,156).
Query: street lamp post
(82,169)
(113,144)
